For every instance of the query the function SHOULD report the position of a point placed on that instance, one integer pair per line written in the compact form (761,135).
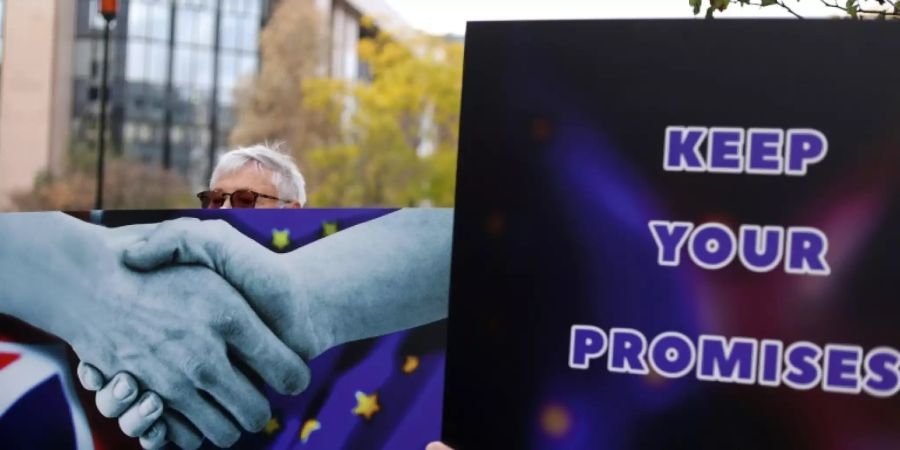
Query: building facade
(173,68)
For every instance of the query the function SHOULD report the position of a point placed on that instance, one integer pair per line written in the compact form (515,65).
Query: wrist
(311,332)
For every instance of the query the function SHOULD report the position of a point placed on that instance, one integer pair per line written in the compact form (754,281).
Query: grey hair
(285,175)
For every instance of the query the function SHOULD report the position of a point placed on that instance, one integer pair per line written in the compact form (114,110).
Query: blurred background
(364,93)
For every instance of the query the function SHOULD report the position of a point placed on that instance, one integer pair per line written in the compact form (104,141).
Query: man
(255,177)
(261,177)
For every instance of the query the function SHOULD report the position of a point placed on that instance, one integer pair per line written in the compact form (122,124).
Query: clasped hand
(174,328)
(193,301)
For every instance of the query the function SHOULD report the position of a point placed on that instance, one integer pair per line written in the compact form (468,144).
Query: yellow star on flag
(411,364)
(281,239)
(366,405)
(272,426)
(329,228)
(307,429)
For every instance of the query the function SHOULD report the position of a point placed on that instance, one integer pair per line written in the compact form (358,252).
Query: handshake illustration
(174,322)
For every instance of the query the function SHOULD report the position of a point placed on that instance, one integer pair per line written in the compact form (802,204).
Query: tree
(856,9)
(128,185)
(389,140)
(399,130)
(269,107)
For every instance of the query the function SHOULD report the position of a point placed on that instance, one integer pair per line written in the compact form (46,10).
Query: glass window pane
(157,63)
(159,21)
(253,8)
(232,6)
(229,34)
(204,27)
(202,67)
(96,19)
(227,77)
(250,37)
(202,137)
(184,19)
(176,134)
(134,65)
(247,67)
(145,132)
(181,76)
(137,18)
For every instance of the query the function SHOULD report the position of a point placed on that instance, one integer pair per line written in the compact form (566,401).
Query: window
(229,31)
(135,59)
(158,23)
(145,54)
(137,18)
(194,25)
(248,65)
(228,68)
(250,36)
(203,67)
(95,20)
(181,75)
(156,63)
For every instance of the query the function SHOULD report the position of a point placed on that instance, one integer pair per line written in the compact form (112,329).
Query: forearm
(40,268)
(50,267)
(388,274)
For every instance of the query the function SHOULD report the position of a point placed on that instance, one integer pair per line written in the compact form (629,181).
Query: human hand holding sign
(385,275)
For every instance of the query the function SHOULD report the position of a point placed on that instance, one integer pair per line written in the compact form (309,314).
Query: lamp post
(108,8)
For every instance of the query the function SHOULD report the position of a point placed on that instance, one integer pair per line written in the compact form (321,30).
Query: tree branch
(788,8)
(779,3)
(895,13)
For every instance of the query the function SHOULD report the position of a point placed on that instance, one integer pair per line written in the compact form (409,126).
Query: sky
(450,16)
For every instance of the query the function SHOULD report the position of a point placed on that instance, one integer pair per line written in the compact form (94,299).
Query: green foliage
(358,143)
(852,8)
(696,5)
(410,104)
(719,5)
(855,9)
(128,185)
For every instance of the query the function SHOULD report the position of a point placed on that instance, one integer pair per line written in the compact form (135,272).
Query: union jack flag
(39,406)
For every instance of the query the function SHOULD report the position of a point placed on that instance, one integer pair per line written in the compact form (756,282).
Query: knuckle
(172,390)
(201,371)
(226,323)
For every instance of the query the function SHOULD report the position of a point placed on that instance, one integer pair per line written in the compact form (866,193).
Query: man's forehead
(249,176)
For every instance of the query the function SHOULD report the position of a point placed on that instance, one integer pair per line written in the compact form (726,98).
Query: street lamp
(108,8)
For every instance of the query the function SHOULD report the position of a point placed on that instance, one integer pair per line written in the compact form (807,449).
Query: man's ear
(294,204)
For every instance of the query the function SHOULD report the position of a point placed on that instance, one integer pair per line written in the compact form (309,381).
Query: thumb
(180,241)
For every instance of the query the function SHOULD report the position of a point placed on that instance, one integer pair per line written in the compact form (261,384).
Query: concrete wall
(35,91)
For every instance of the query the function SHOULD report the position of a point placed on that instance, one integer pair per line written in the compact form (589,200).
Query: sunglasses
(241,198)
